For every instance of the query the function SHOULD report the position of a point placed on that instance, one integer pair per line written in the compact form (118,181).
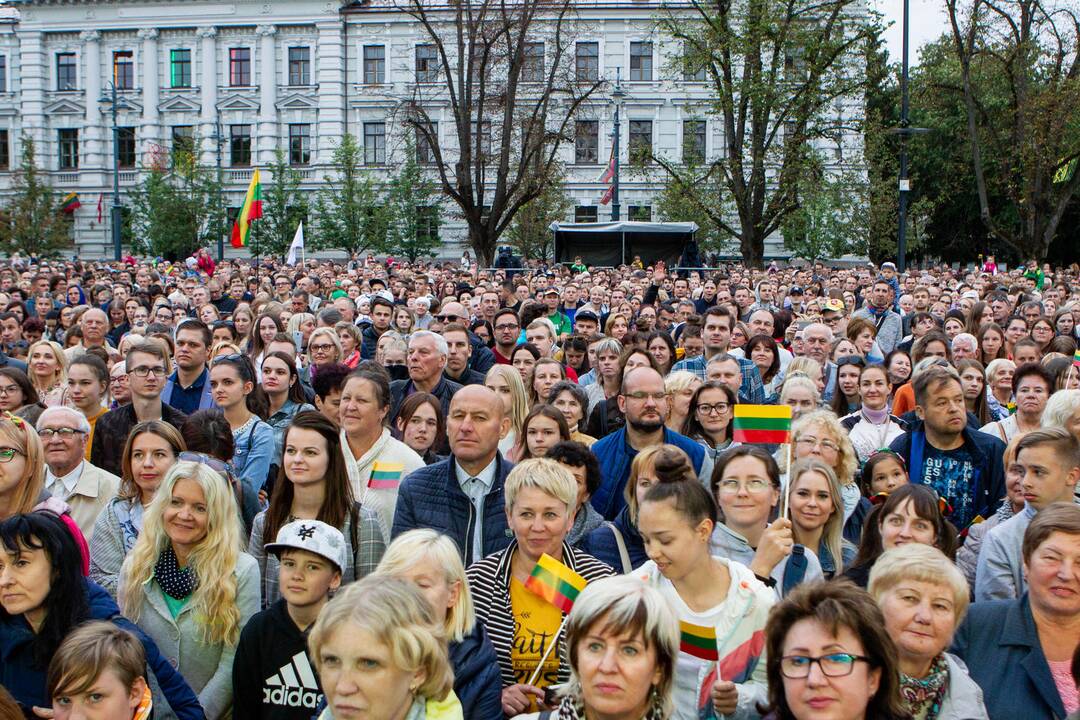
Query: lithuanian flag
(698,641)
(762,424)
(1076,358)
(385,476)
(251,210)
(70,203)
(555,582)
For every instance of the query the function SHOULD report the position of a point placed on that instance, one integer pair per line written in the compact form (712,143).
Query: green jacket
(447,709)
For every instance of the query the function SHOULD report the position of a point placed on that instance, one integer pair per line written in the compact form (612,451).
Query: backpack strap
(624,556)
(795,570)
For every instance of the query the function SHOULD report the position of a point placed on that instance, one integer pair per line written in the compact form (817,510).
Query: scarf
(923,696)
(876,417)
(572,708)
(176,582)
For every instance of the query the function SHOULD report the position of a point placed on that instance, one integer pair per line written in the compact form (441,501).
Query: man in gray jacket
(1050,462)
(878,311)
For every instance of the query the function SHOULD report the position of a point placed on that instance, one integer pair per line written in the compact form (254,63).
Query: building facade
(245,78)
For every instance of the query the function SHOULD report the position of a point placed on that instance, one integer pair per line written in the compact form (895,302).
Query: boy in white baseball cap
(273,677)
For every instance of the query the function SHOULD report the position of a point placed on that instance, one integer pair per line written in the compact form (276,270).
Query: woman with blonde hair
(507,384)
(385,623)
(47,365)
(800,393)
(303,323)
(323,348)
(350,338)
(431,561)
(22,467)
(187,582)
(680,387)
(817,517)
(819,434)
(624,616)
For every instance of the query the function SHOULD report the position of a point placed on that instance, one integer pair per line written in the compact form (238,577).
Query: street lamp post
(115,212)
(617,94)
(905,131)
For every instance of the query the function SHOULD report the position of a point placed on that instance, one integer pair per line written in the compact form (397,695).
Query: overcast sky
(928,22)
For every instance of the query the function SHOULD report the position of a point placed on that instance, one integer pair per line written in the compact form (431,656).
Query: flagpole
(553,643)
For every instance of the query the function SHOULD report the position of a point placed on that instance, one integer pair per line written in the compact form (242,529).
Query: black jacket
(476,675)
(273,677)
(469,377)
(111,433)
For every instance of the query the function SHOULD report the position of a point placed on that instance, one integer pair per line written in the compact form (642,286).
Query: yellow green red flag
(762,424)
(699,641)
(251,210)
(555,582)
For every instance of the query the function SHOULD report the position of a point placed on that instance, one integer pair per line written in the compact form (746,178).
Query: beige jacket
(92,493)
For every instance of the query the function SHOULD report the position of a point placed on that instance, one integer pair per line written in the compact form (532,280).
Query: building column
(209,95)
(332,94)
(94,147)
(150,132)
(267,137)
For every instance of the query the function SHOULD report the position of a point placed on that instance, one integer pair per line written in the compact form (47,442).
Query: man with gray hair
(428,353)
(964,347)
(86,488)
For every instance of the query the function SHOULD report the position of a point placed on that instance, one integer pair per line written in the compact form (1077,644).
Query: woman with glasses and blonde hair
(47,367)
(431,561)
(380,653)
(323,348)
(22,467)
(187,583)
(506,382)
(151,449)
(622,642)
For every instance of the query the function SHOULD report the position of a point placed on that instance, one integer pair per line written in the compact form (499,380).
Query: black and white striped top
(489,584)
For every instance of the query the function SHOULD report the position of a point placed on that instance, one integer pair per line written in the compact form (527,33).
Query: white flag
(297,244)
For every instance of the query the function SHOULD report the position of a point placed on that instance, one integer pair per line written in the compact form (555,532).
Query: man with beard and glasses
(644,402)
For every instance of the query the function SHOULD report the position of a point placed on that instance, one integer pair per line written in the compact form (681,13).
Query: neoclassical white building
(247,77)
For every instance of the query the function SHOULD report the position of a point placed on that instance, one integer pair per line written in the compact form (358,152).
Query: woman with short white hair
(1063,410)
(924,596)
(623,637)
(431,560)
(999,392)
(540,497)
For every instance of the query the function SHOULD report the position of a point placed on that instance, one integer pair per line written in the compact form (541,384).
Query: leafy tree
(530,232)
(349,211)
(33,223)
(678,202)
(284,207)
(414,206)
(829,222)
(178,207)
(778,69)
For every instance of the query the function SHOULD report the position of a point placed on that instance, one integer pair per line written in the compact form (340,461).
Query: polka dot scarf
(176,582)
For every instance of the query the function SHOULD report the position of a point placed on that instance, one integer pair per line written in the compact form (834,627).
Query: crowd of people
(326,491)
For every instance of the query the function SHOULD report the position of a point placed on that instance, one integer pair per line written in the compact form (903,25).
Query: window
(5,151)
(585,213)
(693,141)
(641,61)
(693,68)
(183,140)
(532,69)
(427,223)
(69,149)
(587,61)
(639,213)
(125,144)
(3,73)
(587,142)
(299,66)
(240,67)
(180,68)
(240,145)
(375,64)
(640,140)
(374,143)
(123,68)
(425,153)
(426,64)
(299,144)
(66,71)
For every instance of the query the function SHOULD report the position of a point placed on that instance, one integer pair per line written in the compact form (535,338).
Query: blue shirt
(186,399)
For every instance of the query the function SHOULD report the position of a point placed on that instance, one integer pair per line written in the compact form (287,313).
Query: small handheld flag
(755,424)
(70,203)
(385,476)
(555,582)
(1076,358)
(698,641)
(251,210)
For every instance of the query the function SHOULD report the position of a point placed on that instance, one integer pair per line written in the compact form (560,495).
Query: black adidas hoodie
(273,678)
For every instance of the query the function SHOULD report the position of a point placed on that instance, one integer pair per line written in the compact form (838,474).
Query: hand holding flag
(560,586)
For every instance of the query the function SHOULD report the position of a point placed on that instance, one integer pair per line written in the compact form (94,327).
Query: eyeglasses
(797,667)
(204,459)
(144,370)
(64,433)
(231,357)
(718,408)
(6,454)
(851,360)
(811,441)
(321,347)
(753,485)
(642,396)
(507,326)
(9,389)
(447,318)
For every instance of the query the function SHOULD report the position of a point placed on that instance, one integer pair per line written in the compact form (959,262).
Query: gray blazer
(1000,572)
(207,668)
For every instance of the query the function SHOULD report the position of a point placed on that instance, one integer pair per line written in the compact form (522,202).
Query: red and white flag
(100,207)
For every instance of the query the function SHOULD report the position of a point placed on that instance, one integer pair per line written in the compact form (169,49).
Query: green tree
(33,224)
(350,213)
(829,222)
(414,209)
(284,207)
(178,207)
(678,202)
(530,232)
(777,70)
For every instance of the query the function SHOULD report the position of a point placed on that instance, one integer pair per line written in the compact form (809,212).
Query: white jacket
(388,453)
